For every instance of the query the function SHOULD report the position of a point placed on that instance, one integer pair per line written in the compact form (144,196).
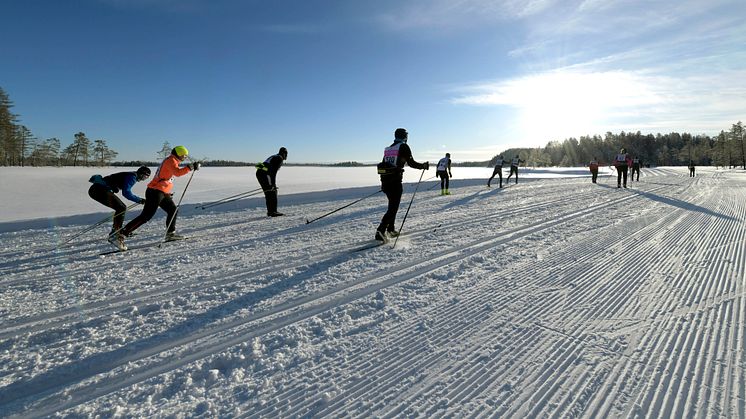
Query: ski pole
(341,208)
(230,199)
(408,207)
(103,220)
(177,208)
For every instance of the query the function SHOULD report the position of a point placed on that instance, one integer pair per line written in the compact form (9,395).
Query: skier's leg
(494,172)
(152,201)
(264,182)
(104,196)
(393,193)
(167,204)
(272,201)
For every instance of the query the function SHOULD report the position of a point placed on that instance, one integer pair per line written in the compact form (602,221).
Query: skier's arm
(412,163)
(274,166)
(129,182)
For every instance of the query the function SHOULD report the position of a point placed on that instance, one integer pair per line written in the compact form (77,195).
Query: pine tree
(82,148)
(7,130)
(165,151)
(104,155)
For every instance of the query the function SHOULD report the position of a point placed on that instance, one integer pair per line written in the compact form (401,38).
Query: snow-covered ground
(555,297)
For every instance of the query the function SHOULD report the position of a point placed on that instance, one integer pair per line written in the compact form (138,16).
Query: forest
(672,149)
(19,147)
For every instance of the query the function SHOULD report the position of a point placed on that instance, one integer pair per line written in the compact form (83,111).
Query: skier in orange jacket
(159,193)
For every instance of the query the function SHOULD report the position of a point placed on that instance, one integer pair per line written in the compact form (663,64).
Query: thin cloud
(439,14)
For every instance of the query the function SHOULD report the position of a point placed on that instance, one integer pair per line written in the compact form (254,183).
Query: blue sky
(331,80)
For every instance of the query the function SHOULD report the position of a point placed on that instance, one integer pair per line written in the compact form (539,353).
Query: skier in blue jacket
(104,189)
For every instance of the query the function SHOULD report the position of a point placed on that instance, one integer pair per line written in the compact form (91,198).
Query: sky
(331,80)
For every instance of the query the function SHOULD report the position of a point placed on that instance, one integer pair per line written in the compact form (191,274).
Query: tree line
(673,149)
(19,147)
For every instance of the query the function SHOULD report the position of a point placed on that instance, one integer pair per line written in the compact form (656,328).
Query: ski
(140,247)
(368,246)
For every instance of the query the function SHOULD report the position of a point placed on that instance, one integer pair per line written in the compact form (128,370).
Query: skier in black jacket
(391,170)
(266,174)
(104,189)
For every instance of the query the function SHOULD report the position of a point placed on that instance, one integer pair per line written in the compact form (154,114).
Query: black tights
(103,195)
(154,198)
(393,192)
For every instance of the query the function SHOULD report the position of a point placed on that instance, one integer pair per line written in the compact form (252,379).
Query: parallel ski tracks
(122,302)
(589,381)
(293,311)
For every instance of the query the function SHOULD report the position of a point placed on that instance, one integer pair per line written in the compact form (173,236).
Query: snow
(554,297)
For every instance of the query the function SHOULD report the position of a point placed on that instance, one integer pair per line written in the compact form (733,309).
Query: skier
(621,162)
(391,170)
(266,174)
(691,168)
(444,172)
(593,165)
(104,189)
(158,194)
(498,171)
(635,169)
(514,168)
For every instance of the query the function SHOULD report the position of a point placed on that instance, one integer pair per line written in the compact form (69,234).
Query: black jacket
(396,172)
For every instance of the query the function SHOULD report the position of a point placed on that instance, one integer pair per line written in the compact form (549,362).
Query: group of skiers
(499,169)
(158,192)
(624,164)
(391,171)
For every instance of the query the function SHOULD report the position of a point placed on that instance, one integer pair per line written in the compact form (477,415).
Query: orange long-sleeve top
(164,176)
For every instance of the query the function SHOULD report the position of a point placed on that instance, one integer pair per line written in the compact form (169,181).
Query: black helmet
(401,134)
(283,153)
(143,173)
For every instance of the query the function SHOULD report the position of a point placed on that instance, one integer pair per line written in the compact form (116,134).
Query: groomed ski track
(547,299)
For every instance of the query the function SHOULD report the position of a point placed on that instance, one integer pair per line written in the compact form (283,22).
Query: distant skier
(266,174)
(636,162)
(498,171)
(514,168)
(691,168)
(621,162)
(593,166)
(159,193)
(444,173)
(104,189)
(391,170)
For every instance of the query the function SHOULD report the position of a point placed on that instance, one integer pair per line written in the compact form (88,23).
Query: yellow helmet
(180,151)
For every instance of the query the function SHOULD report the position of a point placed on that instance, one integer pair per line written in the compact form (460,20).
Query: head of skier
(142,173)
(623,150)
(448,155)
(283,153)
(401,135)
(180,152)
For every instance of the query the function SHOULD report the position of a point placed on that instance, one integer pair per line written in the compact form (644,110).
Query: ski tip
(307,222)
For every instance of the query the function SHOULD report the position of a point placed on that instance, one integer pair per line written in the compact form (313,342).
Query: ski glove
(194,166)
(142,201)
(427,165)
